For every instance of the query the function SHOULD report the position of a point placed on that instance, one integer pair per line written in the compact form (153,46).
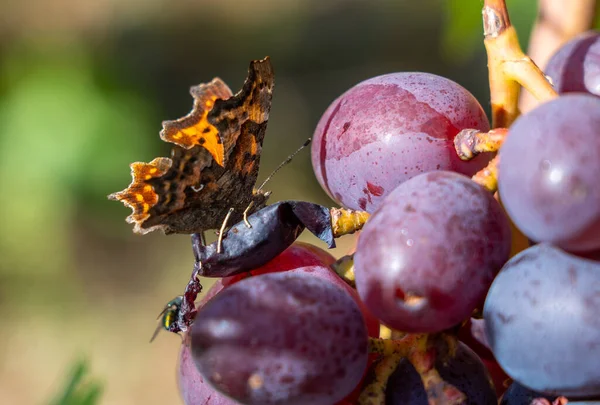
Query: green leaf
(77,390)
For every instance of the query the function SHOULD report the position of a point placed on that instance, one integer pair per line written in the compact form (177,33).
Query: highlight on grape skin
(281,338)
(549,170)
(389,128)
(541,318)
(427,256)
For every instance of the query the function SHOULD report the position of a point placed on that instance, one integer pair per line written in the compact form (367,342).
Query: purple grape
(427,256)
(281,338)
(464,370)
(388,129)
(549,170)
(575,67)
(543,324)
(516,394)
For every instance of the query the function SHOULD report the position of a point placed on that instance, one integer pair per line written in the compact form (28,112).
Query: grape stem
(344,267)
(374,392)
(471,142)
(439,392)
(488,176)
(509,68)
(557,22)
(345,222)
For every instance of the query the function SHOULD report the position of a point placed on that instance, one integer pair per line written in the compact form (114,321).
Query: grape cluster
(430,307)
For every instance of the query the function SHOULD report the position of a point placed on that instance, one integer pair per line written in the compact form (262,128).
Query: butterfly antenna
(285,162)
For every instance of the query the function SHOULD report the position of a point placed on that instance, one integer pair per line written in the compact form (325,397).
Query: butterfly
(214,162)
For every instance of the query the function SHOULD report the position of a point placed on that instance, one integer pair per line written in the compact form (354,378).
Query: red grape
(549,170)
(575,67)
(388,129)
(298,258)
(427,256)
(281,338)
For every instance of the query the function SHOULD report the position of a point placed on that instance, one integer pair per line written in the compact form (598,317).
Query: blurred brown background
(84,86)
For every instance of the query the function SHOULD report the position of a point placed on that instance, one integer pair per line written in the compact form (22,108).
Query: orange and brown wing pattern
(214,162)
(140,196)
(195,129)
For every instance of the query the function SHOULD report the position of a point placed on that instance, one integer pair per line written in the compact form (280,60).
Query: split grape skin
(281,338)
(386,130)
(549,170)
(463,369)
(427,256)
(575,67)
(541,318)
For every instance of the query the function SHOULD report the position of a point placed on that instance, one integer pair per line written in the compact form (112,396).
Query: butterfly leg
(246,214)
(222,230)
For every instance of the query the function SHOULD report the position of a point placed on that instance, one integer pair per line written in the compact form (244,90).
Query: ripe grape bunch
(439,302)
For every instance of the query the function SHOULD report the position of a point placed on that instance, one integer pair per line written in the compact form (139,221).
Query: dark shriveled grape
(281,338)
(464,370)
(427,256)
(575,67)
(542,319)
(549,170)
(387,129)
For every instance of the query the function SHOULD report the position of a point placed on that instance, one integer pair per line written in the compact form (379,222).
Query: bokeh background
(84,86)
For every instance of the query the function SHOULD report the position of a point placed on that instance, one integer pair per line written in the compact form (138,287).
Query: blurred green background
(84,86)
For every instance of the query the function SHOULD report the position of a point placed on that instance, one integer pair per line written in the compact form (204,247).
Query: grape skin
(281,338)
(542,322)
(193,388)
(388,129)
(427,256)
(575,67)
(464,370)
(549,170)
(305,258)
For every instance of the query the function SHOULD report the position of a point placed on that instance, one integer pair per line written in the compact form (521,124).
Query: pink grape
(387,129)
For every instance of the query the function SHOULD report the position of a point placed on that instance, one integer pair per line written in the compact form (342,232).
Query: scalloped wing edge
(139,195)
